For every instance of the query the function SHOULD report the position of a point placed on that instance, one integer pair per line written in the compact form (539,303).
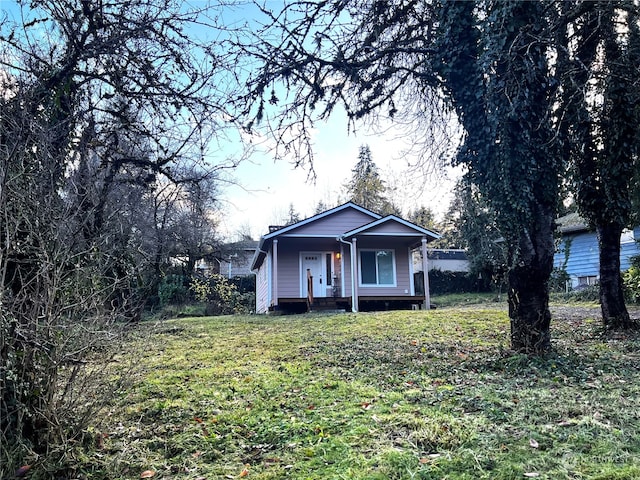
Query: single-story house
(577,250)
(346,257)
(230,259)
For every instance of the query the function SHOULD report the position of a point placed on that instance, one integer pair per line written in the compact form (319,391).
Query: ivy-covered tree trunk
(597,66)
(499,85)
(614,310)
(529,287)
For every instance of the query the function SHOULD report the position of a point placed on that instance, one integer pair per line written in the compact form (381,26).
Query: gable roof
(572,223)
(266,240)
(317,217)
(374,228)
(390,225)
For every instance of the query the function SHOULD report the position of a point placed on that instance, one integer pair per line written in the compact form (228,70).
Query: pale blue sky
(272,186)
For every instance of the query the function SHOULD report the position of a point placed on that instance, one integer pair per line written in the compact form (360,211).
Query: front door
(312,263)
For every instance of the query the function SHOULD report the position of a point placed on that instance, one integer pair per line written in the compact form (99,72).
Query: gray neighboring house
(347,257)
(231,259)
(443,259)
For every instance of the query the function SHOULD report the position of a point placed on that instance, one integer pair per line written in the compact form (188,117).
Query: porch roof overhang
(266,241)
(390,227)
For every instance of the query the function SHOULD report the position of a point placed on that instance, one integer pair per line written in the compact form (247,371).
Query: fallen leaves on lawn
(22,471)
(243,473)
(533,443)
(147,474)
(429,458)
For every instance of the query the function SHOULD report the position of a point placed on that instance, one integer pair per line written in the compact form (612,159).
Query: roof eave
(420,231)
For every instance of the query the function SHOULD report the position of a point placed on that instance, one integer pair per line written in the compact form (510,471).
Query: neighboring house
(230,259)
(443,259)
(577,251)
(347,257)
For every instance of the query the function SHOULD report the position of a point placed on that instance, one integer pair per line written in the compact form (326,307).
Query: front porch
(365,304)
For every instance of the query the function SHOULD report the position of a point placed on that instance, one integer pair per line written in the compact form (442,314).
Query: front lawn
(394,395)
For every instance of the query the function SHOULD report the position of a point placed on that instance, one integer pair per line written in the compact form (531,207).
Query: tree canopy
(107,115)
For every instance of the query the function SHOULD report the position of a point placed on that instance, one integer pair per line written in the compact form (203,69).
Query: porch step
(328,304)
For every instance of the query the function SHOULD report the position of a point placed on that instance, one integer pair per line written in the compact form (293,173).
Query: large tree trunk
(614,310)
(529,288)
(529,311)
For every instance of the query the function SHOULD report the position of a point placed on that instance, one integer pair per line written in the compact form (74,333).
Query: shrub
(582,293)
(172,290)
(442,282)
(631,281)
(245,283)
(587,293)
(221,295)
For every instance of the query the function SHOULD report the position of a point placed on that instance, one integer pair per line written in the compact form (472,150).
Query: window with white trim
(627,236)
(377,268)
(587,280)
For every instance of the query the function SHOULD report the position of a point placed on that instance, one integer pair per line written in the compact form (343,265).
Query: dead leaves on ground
(22,471)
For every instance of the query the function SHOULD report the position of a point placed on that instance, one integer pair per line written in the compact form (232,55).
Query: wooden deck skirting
(413,298)
(366,303)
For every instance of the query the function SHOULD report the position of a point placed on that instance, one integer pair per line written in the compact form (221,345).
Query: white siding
(262,288)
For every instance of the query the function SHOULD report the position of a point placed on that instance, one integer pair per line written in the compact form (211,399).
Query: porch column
(274,252)
(343,281)
(425,270)
(354,275)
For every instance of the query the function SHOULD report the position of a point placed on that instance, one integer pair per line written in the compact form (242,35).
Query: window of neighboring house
(377,267)
(588,280)
(627,236)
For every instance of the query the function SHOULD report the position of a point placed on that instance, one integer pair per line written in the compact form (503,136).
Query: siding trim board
(309,235)
(413,229)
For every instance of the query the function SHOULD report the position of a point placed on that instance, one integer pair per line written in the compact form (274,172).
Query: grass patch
(393,395)
(488,299)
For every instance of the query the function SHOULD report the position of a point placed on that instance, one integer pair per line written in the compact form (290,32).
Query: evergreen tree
(321,206)
(366,188)
(292,215)
(423,217)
